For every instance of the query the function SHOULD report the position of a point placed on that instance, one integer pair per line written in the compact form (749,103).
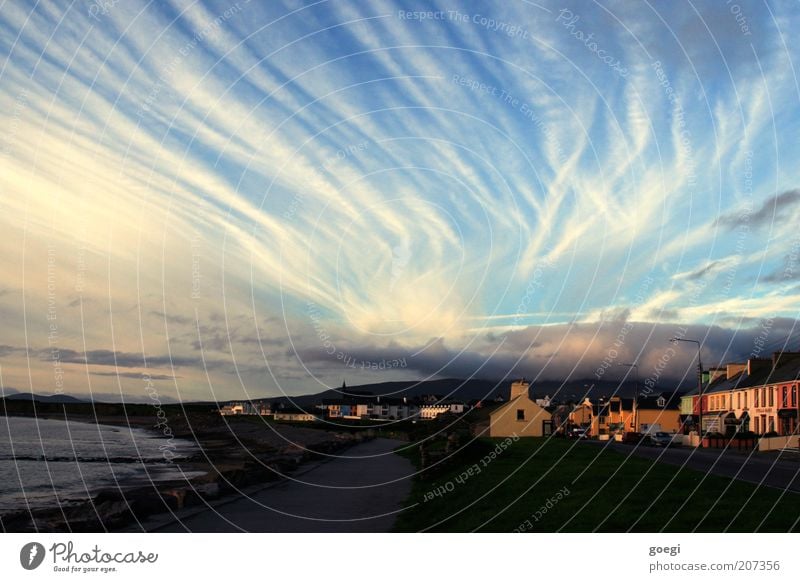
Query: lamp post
(635,395)
(675,340)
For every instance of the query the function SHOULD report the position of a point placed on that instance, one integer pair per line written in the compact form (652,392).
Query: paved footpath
(773,469)
(362,494)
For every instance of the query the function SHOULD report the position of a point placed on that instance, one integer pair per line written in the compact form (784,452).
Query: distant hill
(467,390)
(54,399)
(451,388)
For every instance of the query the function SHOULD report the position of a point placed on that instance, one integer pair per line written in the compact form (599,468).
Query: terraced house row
(759,395)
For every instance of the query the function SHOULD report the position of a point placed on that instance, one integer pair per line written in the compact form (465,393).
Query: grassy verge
(582,489)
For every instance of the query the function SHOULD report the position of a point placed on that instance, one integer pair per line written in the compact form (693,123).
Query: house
(346,408)
(759,395)
(615,415)
(431,410)
(245,408)
(356,405)
(352,405)
(687,410)
(718,400)
(661,410)
(232,409)
(388,408)
(457,407)
(560,418)
(520,416)
(581,415)
(293,414)
(765,400)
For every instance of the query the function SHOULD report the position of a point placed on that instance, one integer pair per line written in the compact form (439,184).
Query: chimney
(732,369)
(756,364)
(519,388)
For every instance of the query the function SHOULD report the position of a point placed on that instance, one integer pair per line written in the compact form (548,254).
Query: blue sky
(247,198)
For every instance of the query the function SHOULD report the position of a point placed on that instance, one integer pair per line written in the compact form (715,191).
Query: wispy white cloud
(411,180)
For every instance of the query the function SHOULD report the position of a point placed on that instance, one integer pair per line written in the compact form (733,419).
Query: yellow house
(613,416)
(659,410)
(520,416)
(582,414)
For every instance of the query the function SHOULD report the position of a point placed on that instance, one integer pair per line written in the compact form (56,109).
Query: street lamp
(635,394)
(675,340)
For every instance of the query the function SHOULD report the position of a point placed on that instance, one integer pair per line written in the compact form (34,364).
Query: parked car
(580,433)
(661,439)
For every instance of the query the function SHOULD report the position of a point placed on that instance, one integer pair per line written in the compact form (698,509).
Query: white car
(580,433)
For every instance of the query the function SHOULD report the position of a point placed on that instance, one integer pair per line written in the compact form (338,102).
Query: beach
(217,458)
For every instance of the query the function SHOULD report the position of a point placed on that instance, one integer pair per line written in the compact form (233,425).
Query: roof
(600,410)
(515,402)
(725,384)
(788,371)
(672,401)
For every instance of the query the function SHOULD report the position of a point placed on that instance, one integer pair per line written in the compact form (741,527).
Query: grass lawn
(605,491)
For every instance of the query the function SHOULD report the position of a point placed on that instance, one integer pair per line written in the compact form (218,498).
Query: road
(779,470)
(361,494)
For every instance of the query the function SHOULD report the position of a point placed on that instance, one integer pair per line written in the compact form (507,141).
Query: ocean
(49,463)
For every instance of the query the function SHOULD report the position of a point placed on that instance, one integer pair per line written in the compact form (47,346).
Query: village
(742,405)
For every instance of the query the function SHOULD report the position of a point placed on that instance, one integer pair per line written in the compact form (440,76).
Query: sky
(216,200)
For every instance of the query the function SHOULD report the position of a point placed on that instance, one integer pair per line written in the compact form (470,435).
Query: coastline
(232,454)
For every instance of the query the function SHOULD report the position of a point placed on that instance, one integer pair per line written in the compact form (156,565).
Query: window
(738,400)
(794,395)
(784,397)
(745,399)
(755,398)
(771,396)
(520,414)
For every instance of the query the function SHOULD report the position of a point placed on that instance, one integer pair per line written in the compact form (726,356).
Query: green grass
(615,493)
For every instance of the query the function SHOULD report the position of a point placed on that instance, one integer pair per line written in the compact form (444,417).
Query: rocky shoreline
(233,453)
